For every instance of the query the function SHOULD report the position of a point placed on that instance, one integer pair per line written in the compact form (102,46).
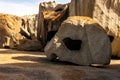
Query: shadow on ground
(20,65)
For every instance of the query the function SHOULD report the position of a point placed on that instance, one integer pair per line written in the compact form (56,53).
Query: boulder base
(29,45)
(80,40)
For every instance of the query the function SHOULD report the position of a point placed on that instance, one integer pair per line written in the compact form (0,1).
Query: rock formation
(16,32)
(107,14)
(104,12)
(9,30)
(81,8)
(80,40)
(50,17)
(30,25)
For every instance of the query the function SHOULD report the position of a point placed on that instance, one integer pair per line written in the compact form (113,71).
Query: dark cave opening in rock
(111,38)
(59,9)
(7,47)
(50,35)
(54,57)
(72,44)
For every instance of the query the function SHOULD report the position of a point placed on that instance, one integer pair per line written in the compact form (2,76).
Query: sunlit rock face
(29,31)
(80,40)
(9,30)
(107,14)
(16,33)
(50,17)
(30,23)
(104,12)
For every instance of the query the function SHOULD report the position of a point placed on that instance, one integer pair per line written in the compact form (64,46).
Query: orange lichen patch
(82,18)
(9,28)
(48,14)
(51,15)
(9,23)
(56,17)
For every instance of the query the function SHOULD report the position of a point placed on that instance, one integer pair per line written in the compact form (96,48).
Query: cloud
(63,1)
(23,7)
(19,9)
(58,1)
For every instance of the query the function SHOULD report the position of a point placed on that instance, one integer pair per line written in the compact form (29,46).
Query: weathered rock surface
(50,17)
(104,12)
(81,8)
(30,23)
(29,45)
(9,30)
(107,14)
(17,33)
(80,40)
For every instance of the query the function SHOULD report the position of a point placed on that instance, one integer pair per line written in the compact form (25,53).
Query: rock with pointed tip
(50,17)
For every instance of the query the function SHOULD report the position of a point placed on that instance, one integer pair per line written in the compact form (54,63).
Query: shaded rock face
(29,45)
(82,7)
(80,40)
(50,17)
(104,12)
(9,30)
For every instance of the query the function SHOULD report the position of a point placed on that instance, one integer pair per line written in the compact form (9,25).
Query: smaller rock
(29,45)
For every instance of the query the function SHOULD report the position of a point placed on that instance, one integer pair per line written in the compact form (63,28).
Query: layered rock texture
(104,12)
(80,40)
(19,33)
(81,7)
(9,30)
(30,25)
(51,15)
(29,30)
(107,13)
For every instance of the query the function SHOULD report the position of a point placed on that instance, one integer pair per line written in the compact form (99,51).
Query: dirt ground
(21,65)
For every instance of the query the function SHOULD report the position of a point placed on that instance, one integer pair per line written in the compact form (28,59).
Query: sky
(23,7)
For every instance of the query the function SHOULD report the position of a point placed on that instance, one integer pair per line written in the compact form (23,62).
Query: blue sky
(23,7)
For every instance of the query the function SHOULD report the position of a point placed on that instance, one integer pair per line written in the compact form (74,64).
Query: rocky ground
(21,65)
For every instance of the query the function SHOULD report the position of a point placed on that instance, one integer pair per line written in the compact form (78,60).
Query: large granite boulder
(80,40)
(104,12)
(50,17)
